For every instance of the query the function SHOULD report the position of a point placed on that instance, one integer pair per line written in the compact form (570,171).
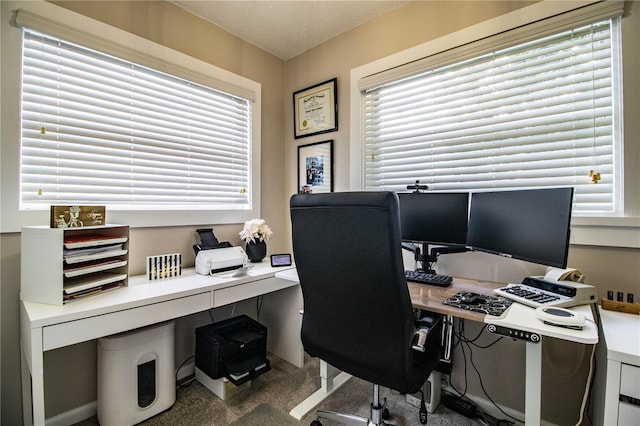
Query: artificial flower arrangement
(255,229)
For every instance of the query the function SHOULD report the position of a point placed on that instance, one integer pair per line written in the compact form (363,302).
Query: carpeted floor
(272,395)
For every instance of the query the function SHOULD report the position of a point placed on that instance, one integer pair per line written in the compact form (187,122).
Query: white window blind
(100,130)
(539,114)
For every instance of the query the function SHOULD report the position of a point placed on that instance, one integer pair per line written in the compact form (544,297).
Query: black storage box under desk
(235,348)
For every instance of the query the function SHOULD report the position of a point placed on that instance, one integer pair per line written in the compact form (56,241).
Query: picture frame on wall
(315,109)
(315,168)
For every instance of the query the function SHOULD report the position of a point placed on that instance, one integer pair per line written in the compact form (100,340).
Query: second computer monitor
(434,217)
(531,225)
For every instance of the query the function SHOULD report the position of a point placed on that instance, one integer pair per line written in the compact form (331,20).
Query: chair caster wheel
(385,414)
(316,423)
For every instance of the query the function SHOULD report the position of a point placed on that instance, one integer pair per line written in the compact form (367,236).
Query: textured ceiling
(287,28)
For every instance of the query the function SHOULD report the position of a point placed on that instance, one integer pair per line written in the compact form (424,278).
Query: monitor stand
(427,257)
(421,256)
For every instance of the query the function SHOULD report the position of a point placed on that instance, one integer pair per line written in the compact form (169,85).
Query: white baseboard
(75,415)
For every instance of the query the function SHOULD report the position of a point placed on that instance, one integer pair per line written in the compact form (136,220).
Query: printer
(220,260)
(235,349)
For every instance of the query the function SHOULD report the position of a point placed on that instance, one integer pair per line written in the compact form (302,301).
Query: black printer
(235,348)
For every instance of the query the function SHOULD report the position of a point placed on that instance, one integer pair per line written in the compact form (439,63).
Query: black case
(235,348)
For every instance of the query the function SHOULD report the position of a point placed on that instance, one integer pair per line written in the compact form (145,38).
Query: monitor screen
(434,217)
(531,225)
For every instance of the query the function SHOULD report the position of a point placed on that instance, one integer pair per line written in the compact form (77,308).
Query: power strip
(462,406)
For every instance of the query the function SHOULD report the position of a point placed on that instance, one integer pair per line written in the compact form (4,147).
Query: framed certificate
(315,109)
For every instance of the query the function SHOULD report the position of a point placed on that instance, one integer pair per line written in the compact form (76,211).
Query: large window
(542,113)
(100,130)
(111,118)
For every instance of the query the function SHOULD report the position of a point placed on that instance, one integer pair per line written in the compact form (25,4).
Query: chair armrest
(424,326)
(419,339)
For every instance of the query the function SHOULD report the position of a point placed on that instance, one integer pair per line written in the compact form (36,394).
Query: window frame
(545,111)
(596,230)
(78,28)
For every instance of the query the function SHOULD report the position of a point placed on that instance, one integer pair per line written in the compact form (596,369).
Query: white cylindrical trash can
(136,374)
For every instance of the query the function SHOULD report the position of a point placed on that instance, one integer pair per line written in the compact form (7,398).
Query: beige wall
(502,366)
(169,25)
(400,29)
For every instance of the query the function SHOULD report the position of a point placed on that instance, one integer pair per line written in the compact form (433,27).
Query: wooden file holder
(629,308)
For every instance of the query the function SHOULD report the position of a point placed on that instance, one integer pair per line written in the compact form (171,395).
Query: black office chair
(357,310)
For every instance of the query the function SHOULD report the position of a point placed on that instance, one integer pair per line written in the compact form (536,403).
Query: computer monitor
(531,225)
(433,218)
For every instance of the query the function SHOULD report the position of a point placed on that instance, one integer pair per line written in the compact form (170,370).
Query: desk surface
(430,297)
(622,336)
(518,316)
(140,292)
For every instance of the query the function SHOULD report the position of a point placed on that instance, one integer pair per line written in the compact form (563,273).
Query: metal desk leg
(330,381)
(533,386)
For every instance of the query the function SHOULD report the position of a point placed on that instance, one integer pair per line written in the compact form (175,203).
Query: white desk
(45,327)
(523,318)
(518,317)
(622,373)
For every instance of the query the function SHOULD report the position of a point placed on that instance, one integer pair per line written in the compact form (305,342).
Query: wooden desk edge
(430,297)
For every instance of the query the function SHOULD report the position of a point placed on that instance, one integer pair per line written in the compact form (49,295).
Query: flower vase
(256,251)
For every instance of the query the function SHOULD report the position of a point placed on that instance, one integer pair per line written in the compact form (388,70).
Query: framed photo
(315,168)
(77,216)
(315,109)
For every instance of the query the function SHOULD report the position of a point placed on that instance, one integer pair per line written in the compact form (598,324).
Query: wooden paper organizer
(629,308)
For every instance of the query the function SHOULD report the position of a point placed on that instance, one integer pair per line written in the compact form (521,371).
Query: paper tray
(76,272)
(241,370)
(75,286)
(97,256)
(94,242)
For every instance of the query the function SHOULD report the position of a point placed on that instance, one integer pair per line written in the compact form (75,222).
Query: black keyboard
(431,279)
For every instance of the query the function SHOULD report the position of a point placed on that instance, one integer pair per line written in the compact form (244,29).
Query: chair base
(345,419)
(379,413)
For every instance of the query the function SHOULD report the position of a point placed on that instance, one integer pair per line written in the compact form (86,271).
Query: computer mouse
(471,299)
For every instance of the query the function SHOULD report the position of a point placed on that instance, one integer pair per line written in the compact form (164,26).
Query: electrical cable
(595,372)
(596,321)
(424,414)
(464,356)
(472,341)
(456,344)
(188,382)
(462,339)
(259,301)
(484,390)
(588,385)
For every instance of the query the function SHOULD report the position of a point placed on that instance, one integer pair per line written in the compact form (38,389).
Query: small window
(544,113)
(97,129)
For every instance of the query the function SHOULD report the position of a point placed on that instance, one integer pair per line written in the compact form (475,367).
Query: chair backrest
(357,309)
